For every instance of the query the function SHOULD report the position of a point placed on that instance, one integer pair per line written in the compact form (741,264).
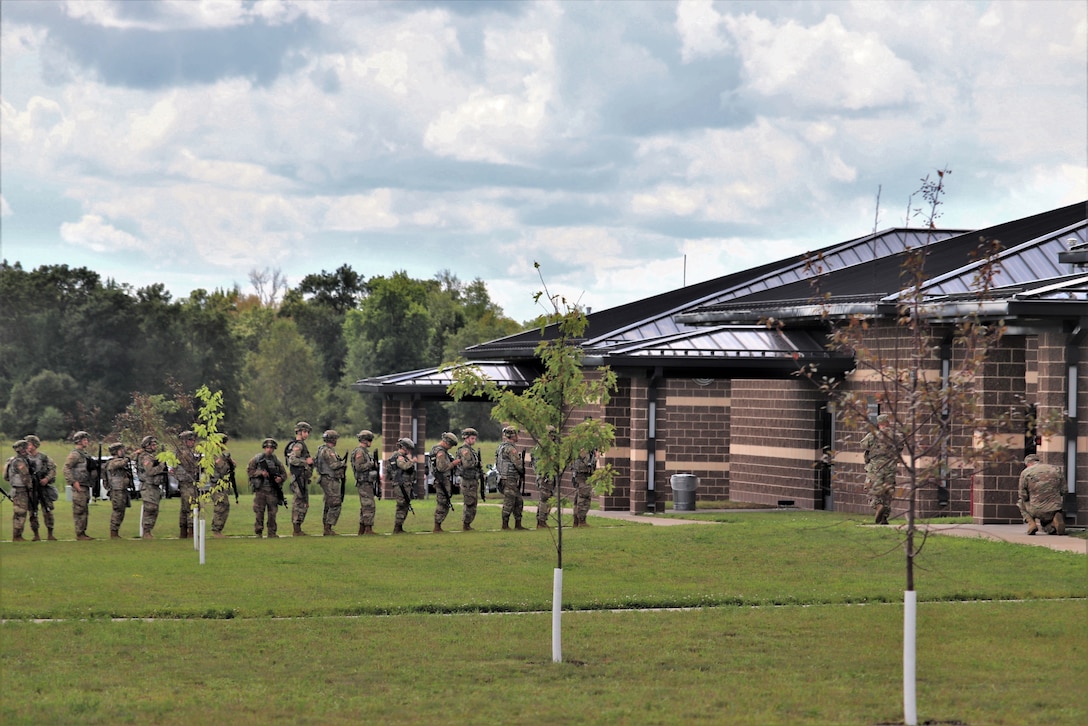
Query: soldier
(583,467)
(366,468)
(330,470)
(44,470)
(301,465)
(443,468)
(119,477)
(79,468)
(188,476)
(471,477)
(401,469)
(220,489)
(509,462)
(153,478)
(1041,493)
(266,476)
(545,486)
(17,473)
(881,460)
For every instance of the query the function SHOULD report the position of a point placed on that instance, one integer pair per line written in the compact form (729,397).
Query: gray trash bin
(683,491)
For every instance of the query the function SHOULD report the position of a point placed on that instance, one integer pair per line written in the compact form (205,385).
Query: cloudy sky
(189,142)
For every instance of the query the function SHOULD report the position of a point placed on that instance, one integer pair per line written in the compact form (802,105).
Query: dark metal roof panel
(510,375)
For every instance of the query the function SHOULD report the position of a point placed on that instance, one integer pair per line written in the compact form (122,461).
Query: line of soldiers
(32,474)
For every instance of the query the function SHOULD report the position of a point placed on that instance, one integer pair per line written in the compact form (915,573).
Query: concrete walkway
(999,532)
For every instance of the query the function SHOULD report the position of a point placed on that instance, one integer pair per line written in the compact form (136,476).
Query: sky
(628,147)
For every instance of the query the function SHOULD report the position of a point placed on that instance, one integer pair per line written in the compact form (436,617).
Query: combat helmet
(449,438)
(509,432)
(466,432)
(406,443)
(269,442)
(330,435)
(365,435)
(303,426)
(148,441)
(115,447)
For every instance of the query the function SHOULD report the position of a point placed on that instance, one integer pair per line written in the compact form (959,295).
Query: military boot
(51,538)
(297,532)
(114,534)
(437,528)
(258,532)
(368,529)
(83,537)
(398,528)
(148,535)
(182,532)
(362,530)
(517,524)
(584,523)
(1033,527)
(37,537)
(506,523)
(1059,524)
(542,525)
(329,531)
(466,527)
(189,533)
(576,523)
(17,536)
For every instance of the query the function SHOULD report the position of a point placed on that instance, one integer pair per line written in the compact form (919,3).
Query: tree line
(78,351)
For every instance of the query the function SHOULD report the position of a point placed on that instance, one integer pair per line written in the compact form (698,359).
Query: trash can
(683,492)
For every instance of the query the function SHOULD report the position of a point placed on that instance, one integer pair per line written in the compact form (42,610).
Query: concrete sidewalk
(1013,533)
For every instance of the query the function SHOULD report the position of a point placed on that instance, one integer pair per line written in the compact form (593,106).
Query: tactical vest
(469,468)
(507,469)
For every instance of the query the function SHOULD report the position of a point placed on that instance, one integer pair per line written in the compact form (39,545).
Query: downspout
(946,372)
(651,439)
(1072,362)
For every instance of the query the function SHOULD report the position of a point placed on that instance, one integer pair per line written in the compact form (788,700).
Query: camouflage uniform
(77,473)
(545,486)
(46,471)
(300,463)
(266,497)
(330,468)
(153,477)
(365,467)
(220,489)
(17,472)
(188,475)
(471,478)
(508,462)
(442,468)
(584,465)
(401,470)
(1042,489)
(881,461)
(119,477)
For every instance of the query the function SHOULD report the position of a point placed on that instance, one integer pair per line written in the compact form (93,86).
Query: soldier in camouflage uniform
(330,469)
(1042,488)
(153,478)
(583,467)
(443,467)
(545,486)
(511,468)
(17,473)
(881,460)
(46,472)
(301,465)
(266,476)
(366,468)
(471,474)
(401,470)
(119,477)
(220,489)
(188,475)
(78,471)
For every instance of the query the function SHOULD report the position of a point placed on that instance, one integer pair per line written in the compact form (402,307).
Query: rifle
(100,472)
(232,478)
(130,490)
(6,495)
(521,474)
(34,493)
(277,486)
(376,482)
(343,474)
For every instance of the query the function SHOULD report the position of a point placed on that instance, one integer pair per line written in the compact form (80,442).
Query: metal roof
(436,380)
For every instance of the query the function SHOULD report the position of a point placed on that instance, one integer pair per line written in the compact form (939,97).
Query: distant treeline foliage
(74,348)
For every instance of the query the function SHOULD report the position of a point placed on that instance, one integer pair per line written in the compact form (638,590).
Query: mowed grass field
(760,618)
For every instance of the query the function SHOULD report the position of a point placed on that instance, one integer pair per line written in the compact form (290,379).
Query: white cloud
(700,27)
(358,212)
(5,208)
(94,232)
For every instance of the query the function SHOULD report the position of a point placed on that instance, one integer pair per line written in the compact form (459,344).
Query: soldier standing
(153,477)
(44,471)
(511,467)
(471,477)
(881,460)
(1041,494)
(330,469)
(266,476)
(443,467)
(188,476)
(545,486)
(119,477)
(221,476)
(583,467)
(365,467)
(78,470)
(401,469)
(302,466)
(17,472)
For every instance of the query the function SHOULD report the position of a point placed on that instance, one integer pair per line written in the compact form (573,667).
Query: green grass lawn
(775,618)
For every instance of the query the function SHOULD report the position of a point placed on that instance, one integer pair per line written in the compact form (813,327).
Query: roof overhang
(433,382)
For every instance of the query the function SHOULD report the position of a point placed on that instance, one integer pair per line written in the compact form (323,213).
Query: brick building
(706,388)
